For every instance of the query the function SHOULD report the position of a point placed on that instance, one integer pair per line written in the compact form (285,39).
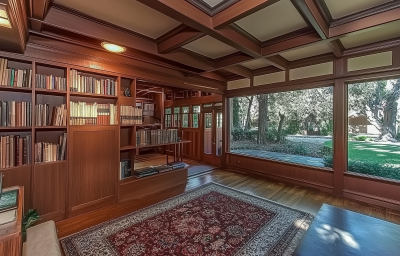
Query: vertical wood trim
(67,208)
(339,67)
(225,129)
(396,57)
(287,72)
(339,135)
(33,134)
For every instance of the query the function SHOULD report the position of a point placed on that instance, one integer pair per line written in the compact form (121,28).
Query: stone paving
(306,160)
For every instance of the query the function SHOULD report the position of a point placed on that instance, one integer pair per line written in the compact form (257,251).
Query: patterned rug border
(290,248)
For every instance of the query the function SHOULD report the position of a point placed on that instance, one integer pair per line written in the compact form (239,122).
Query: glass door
(212,149)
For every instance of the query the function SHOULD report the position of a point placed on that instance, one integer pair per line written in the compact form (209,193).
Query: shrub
(368,168)
(237,133)
(326,151)
(361,138)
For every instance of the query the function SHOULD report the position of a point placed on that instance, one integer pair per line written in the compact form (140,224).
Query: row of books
(15,113)
(85,84)
(154,137)
(131,115)
(50,82)
(49,152)
(15,150)
(125,169)
(58,115)
(152,170)
(14,77)
(82,113)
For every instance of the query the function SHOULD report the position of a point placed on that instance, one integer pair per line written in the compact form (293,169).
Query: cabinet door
(49,181)
(93,167)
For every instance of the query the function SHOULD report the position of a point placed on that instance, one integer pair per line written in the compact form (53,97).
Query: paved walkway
(306,160)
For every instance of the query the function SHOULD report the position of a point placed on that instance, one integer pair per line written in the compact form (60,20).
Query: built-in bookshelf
(59,102)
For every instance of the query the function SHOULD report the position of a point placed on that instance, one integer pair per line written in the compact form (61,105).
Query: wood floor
(305,199)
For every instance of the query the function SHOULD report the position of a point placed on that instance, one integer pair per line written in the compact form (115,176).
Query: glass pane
(185,120)
(168,121)
(207,105)
(185,109)
(374,128)
(177,110)
(177,120)
(168,111)
(294,126)
(218,135)
(195,120)
(208,133)
(196,109)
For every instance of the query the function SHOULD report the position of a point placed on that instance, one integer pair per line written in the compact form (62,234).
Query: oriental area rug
(212,220)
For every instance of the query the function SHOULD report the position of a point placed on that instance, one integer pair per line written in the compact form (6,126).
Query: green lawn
(373,152)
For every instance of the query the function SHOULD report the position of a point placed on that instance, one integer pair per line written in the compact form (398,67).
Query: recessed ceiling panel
(256,64)
(129,14)
(210,47)
(306,52)
(386,32)
(275,20)
(212,3)
(340,8)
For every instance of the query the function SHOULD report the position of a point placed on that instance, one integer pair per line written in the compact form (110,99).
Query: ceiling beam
(188,14)
(278,62)
(38,10)
(179,39)
(312,15)
(336,47)
(238,11)
(240,71)
(376,19)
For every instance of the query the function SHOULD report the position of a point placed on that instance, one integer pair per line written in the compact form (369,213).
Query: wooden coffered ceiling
(219,40)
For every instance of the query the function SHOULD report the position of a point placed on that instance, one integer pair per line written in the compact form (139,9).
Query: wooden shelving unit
(89,176)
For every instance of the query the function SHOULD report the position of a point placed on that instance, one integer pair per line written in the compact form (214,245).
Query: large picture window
(294,126)
(374,128)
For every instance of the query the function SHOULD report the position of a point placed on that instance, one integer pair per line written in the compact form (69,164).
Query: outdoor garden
(297,127)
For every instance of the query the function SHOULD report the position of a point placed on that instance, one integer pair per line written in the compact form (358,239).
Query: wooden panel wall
(192,150)
(49,190)
(93,167)
(314,177)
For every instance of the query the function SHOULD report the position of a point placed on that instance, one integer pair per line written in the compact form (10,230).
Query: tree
(248,117)
(236,110)
(378,102)
(262,118)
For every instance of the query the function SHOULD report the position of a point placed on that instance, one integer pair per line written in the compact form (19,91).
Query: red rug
(211,220)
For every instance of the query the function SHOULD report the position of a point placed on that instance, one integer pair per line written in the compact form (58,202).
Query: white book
(20,78)
(1,70)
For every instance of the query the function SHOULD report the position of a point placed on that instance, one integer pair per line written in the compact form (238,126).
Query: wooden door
(93,168)
(212,137)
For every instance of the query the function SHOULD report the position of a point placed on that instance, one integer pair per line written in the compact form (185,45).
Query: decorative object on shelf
(127,92)
(31,217)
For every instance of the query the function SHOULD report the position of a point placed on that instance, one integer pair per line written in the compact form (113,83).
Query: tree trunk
(248,121)
(236,108)
(388,131)
(281,120)
(262,118)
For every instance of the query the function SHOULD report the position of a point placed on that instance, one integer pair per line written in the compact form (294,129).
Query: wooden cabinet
(49,190)
(93,167)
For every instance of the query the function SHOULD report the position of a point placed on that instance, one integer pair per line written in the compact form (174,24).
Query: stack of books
(177,165)
(14,77)
(125,169)
(156,137)
(15,114)
(49,152)
(162,168)
(15,150)
(82,113)
(144,172)
(131,115)
(58,117)
(50,82)
(85,84)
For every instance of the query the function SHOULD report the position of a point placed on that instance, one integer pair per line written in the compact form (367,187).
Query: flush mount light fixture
(4,21)
(113,47)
